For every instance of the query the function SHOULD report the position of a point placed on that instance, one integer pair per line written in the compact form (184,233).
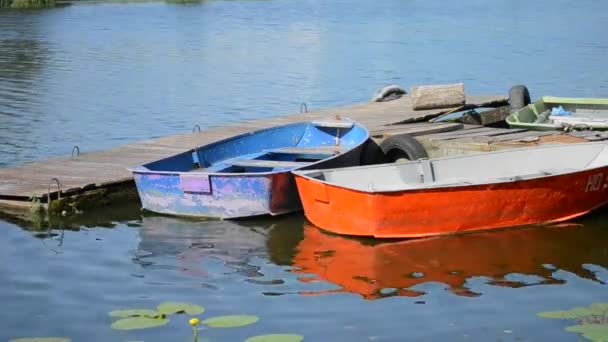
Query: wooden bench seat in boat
(264,163)
(333,123)
(331,149)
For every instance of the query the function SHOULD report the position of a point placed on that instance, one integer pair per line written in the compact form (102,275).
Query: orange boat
(458,194)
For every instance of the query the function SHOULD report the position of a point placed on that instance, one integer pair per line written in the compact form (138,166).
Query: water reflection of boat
(185,244)
(367,267)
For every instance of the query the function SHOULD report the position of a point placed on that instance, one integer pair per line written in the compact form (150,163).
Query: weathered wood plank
(458,133)
(416,130)
(491,133)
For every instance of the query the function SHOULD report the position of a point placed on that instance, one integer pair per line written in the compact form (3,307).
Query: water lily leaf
(276,338)
(599,308)
(567,314)
(231,321)
(132,323)
(135,313)
(170,308)
(40,339)
(594,332)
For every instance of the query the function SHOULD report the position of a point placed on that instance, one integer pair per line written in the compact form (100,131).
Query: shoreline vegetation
(22,4)
(36,4)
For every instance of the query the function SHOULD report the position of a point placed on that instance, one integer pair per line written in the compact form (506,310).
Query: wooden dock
(95,171)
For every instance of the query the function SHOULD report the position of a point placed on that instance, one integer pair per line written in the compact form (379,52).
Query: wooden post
(438,96)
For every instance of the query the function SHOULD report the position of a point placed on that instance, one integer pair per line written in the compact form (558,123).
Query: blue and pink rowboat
(248,174)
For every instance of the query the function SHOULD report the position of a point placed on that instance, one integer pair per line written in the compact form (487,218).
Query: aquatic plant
(131,319)
(592,320)
(194,323)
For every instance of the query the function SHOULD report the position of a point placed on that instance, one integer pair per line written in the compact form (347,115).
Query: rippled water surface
(101,75)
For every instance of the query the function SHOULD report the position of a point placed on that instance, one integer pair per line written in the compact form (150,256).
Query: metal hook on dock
(48,194)
(195,128)
(303,108)
(77,149)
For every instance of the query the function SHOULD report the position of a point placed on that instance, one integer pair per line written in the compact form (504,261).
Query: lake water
(101,75)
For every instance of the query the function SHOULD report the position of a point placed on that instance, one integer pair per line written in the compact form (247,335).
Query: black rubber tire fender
(371,153)
(402,146)
(519,97)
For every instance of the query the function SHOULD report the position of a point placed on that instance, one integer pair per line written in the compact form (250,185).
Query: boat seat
(330,149)
(333,123)
(265,163)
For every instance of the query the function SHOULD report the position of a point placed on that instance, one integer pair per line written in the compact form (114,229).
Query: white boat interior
(482,168)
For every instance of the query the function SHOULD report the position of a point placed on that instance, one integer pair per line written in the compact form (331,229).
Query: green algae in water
(593,320)
(133,323)
(170,308)
(231,321)
(276,338)
(41,339)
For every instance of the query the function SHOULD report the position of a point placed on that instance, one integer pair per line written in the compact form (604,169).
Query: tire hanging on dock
(372,154)
(402,146)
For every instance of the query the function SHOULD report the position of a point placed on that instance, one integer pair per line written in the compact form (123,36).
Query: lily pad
(231,321)
(594,332)
(568,314)
(170,308)
(276,338)
(41,339)
(135,313)
(132,323)
(599,308)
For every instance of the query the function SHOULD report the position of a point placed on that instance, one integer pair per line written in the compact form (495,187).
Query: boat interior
(483,168)
(581,111)
(275,149)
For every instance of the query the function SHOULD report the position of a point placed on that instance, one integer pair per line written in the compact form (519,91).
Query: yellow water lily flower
(194,321)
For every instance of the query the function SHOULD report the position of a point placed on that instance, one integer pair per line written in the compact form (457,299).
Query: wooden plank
(495,132)
(514,136)
(416,130)
(264,163)
(458,133)
(438,96)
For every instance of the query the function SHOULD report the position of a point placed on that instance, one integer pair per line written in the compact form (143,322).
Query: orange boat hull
(449,210)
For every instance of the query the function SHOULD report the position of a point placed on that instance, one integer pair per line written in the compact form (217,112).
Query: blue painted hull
(189,184)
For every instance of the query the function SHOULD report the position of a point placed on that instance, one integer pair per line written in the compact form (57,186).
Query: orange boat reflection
(366,267)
